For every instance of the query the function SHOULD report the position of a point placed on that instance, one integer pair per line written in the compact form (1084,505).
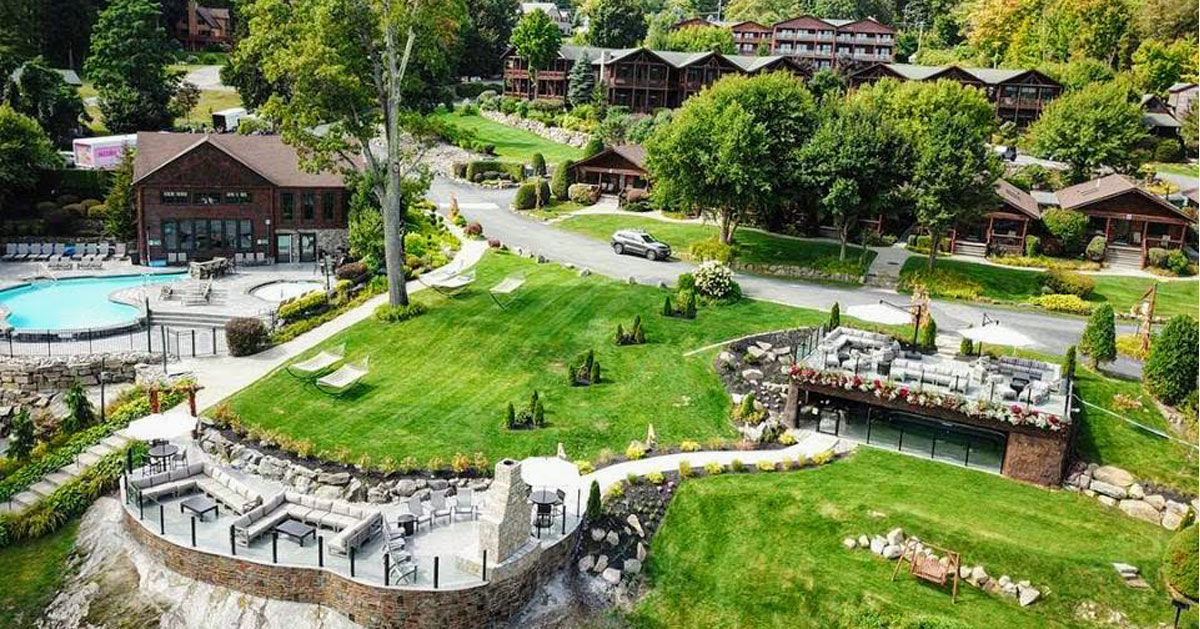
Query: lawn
(765,550)
(1108,440)
(33,570)
(1010,285)
(753,247)
(512,143)
(1187,170)
(440,383)
(210,101)
(556,209)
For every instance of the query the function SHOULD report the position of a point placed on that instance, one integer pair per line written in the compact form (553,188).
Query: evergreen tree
(120,220)
(80,413)
(594,376)
(668,310)
(1170,372)
(1099,340)
(690,312)
(594,145)
(593,502)
(581,82)
(538,164)
(620,335)
(560,181)
(1068,365)
(129,60)
(539,414)
(42,94)
(965,347)
(510,418)
(835,316)
(928,335)
(20,441)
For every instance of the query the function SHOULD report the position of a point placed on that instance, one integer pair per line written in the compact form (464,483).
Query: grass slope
(1018,285)
(765,550)
(512,143)
(33,570)
(439,384)
(754,247)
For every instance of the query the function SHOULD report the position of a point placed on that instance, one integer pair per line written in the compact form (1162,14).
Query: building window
(308,204)
(287,201)
(207,198)
(200,228)
(238,198)
(246,237)
(216,236)
(170,240)
(173,197)
(328,202)
(186,242)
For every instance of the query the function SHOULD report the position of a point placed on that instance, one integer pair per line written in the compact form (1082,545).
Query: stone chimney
(193,27)
(505,519)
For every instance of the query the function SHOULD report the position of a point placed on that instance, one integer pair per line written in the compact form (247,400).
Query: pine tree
(120,219)
(966,348)
(690,312)
(538,164)
(581,83)
(1099,340)
(928,336)
(510,419)
(1170,371)
(620,335)
(80,413)
(1068,365)
(560,181)
(835,316)
(594,377)
(20,442)
(668,310)
(639,335)
(593,503)
(539,413)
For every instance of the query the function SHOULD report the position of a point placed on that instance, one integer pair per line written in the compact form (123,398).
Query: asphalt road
(490,207)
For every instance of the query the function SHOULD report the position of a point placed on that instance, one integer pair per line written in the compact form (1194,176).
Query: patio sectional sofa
(354,525)
(204,477)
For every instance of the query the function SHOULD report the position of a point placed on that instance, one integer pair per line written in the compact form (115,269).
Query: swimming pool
(74,304)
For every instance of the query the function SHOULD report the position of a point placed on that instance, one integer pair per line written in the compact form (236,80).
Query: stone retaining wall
(783,270)
(557,134)
(22,373)
(368,605)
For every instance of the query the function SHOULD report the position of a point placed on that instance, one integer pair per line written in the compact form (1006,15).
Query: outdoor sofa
(354,525)
(200,476)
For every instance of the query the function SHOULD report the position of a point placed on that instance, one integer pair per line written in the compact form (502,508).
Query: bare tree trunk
(726,233)
(393,205)
(935,240)
(843,236)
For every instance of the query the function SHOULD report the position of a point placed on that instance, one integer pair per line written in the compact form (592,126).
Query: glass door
(308,247)
(284,247)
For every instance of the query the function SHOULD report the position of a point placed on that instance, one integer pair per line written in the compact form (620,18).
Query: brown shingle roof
(1107,187)
(635,153)
(266,155)
(1018,199)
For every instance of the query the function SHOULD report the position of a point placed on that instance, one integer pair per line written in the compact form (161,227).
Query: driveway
(206,78)
(490,208)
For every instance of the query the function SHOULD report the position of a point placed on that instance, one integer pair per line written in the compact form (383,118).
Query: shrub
(1068,226)
(459,463)
(594,145)
(97,212)
(689,446)
(1170,371)
(633,479)
(304,306)
(583,193)
(715,280)
(765,466)
(1177,262)
(527,195)
(388,313)
(21,440)
(787,439)
(1068,283)
(712,468)
(43,207)
(593,502)
(711,249)
(585,467)
(1157,256)
(655,478)
(1071,304)
(737,466)
(1099,337)
(927,339)
(246,335)
(635,450)
(1068,364)
(835,316)
(966,347)
(1168,150)
(88,204)
(685,469)
(1182,562)
(1097,248)
(66,199)
(354,271)
(479,170)
(686,283)
(560,181)
(821,458)
(1032,244)
(473,229)
(940,283)
(802,461)
(538,164)
(80,413)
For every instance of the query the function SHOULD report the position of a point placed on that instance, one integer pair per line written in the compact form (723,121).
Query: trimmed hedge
(527,195)
(1063,282)
(1182,563)
(304,306)
(583,193)
(1063,303)
(246,336)
(479,170)
(395,314)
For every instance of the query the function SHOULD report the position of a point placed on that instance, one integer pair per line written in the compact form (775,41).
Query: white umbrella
(549,471)
(998,334)
(169,425)
(880,313)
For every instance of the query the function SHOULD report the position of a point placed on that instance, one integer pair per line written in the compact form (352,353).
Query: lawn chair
(22,252)
(315,366)
(120,253)
(10,251)
(463,503)
(418,511)
(344,379)
(43,251)
(103,252)
(90,252)
(60,249)
(437,500)
(403,569)
(506,287)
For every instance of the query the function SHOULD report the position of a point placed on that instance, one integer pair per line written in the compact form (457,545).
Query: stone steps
(43,488)
(52,481)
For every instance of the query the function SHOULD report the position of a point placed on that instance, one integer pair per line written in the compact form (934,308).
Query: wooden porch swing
(929,569)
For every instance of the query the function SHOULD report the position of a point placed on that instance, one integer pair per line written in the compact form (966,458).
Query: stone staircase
(185,319)
(972,249)
(1123,257)
(61,476)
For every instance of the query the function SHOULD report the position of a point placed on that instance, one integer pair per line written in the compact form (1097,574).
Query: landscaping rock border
(783,270)
(1115,487)
(557,134)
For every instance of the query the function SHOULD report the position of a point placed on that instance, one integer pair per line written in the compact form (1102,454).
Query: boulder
(378,494)
(877,545)
(849,543)
(334,478)
(1107,501)
(598,534)
(612,538)
(1125,570)
(586,562)
(892,551)
(635,524)
(438,484)
(864,541)
(404,488)
(753,375)
(1027,595)
(328,492)
(726,358)
(1136,492)
(979,576)
(1177,507)
(755,351)
(1172,521)
(584,272)
(964,572)
(763,345)
(601,564)
(1156,501)
(895,536)
(1107,489)
(631,566)
(611,575)
(640,553)
(1139,509)
(271,467)
(1112,476)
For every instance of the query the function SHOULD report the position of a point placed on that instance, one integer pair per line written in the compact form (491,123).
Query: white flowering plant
(715,280)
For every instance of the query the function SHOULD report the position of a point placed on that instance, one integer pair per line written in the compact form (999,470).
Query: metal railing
(176,341)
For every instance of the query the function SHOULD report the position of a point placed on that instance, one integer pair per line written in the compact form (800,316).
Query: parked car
(638,242)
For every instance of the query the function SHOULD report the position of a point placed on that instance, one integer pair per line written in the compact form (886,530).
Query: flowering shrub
(714,279)
(689,446)
(656,478)
(1013,414)
(585,467)
(765,466)
(1063,303)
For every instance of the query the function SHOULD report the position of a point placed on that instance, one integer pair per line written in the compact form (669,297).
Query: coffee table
(200,506)
(296,530)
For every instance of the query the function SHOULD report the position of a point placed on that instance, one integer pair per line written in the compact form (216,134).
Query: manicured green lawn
(512,143)
(754,247)
(1188,170)
(765,550)
(1108,440)
(440,383)
(33,570)
(556,209)
(1018,285)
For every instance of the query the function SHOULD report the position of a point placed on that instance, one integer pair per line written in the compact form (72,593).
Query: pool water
(74,304)
(285,289)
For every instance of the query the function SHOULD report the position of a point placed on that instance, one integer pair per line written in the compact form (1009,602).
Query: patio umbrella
(998,334)
(169,425)
(549,471)
(880,313)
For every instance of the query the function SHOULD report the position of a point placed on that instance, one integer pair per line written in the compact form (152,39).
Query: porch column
(1107,229)
(991,225)
(1024,232)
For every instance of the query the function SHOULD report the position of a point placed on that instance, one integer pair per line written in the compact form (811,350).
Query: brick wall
(369,605)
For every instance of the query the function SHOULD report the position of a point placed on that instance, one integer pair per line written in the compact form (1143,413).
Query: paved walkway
(888,262)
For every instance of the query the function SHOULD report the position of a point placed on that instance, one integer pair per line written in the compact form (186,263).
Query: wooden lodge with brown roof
(615,169)
(203,27)
(1001,230)
(242,197)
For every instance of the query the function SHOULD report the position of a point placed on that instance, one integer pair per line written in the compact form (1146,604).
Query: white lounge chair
(344,379)
(447,284)
(10,251)
(120,253)
(59,250)
(22,252)
(318,364)
(437,502)
(42,252)
(103,252)
(506,287)
(463,503)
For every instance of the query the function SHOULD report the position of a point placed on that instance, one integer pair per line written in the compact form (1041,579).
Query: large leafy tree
(243,71)
(700,39)
(42,94)
(1099,125)
(1190,130)
(1171,369)
(24,150)
(615,23)
(856,164)
(348,63)
(486,35)
(1157,65)
(129,60)
(1167,19)
(537,39)
(730,151)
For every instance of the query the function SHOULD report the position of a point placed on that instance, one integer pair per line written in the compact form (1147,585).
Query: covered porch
(614,170)
(1002,230)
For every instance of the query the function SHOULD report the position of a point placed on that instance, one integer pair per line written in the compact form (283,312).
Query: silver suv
(638,242)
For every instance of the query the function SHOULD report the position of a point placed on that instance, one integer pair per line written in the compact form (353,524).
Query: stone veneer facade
(369,605)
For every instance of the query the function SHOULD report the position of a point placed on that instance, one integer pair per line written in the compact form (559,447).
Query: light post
(103,380)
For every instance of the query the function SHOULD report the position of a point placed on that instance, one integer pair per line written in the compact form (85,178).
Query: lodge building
(823,42)
(242,197)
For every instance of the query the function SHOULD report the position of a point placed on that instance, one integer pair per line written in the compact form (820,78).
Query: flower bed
(982,409)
